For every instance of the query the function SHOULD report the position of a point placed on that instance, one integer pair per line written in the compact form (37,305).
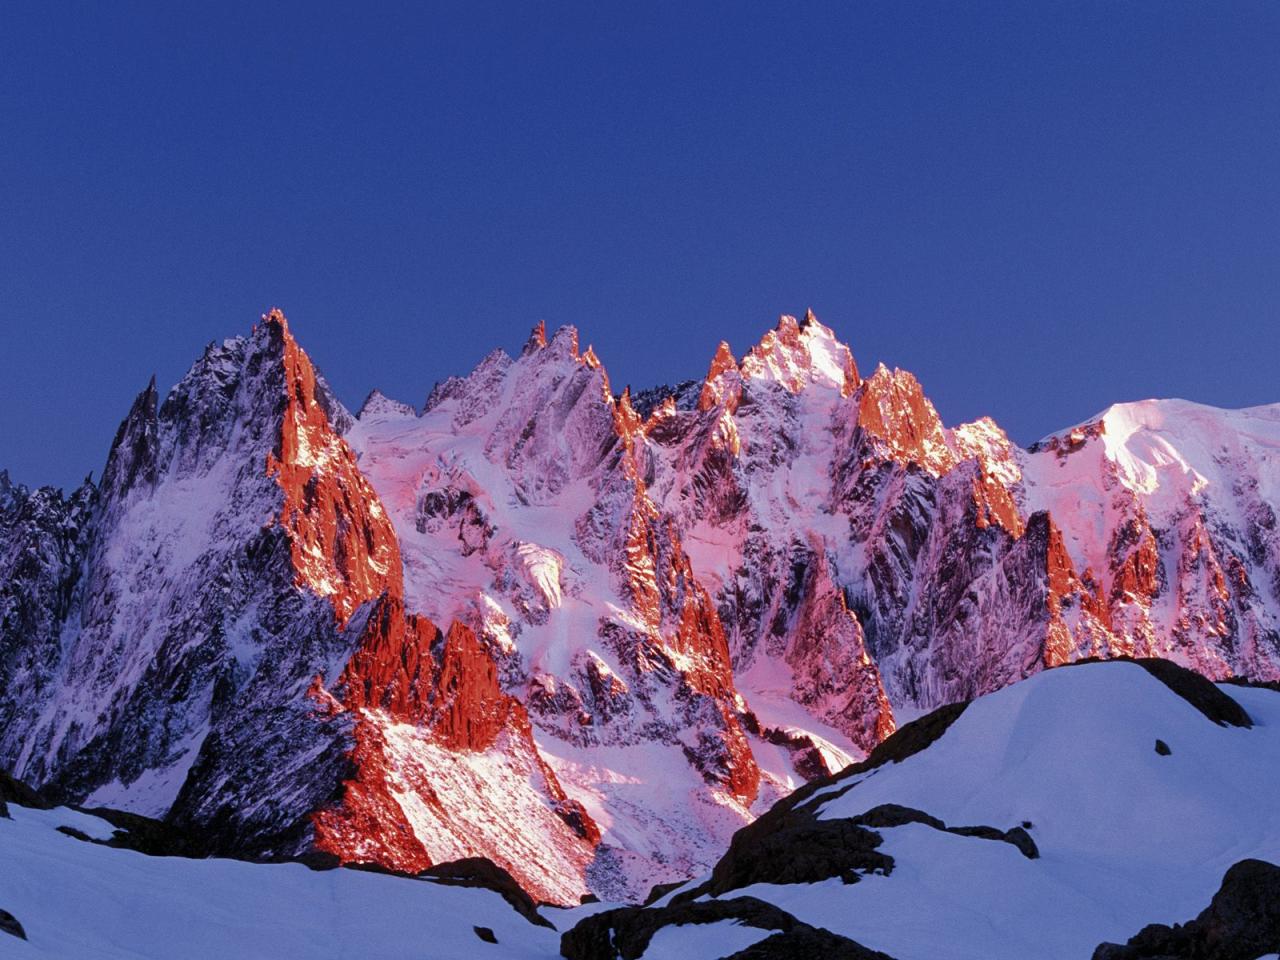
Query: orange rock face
(344,546)
(893,409)
(405,671)
(712,391)
(1136,562)
(996,505)
(369,825)
(470,709)
(392,670)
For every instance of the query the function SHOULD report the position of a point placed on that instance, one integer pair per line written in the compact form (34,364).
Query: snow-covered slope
(76,900)
(1122,833)
(1168,511)
(586,638)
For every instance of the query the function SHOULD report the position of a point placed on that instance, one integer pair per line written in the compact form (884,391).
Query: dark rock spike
(9,924)
(134,451)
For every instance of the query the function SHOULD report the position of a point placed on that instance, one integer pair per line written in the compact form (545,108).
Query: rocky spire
(537,339)
(718,388)
(344,546)
(133,452)
(893,411)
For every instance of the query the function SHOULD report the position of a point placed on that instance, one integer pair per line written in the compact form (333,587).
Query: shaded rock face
(183,625)
(1241,922)
(403,638)
(1202,694)
(478,872)
(43,541)
(792,845)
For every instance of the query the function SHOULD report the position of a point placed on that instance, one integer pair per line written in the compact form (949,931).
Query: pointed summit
(135,448)
(796,354)
(537,339)
(378,404)
(564,342)
(718,388)
(893,409)
(275,317)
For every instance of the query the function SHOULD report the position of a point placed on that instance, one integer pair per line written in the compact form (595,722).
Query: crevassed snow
(78,900)
(1127,837)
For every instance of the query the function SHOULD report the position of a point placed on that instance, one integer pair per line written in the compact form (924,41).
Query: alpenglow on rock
(584,637)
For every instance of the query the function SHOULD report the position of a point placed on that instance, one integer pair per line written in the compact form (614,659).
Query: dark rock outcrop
(9,924)
(1198,691)
(804,942)
(625,933)
(1242,922)
(20,794)
(479,872)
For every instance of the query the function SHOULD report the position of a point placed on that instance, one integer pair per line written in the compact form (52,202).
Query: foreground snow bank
(77,900)
(1127,836)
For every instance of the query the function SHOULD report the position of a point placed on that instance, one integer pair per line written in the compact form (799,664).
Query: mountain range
(590,636)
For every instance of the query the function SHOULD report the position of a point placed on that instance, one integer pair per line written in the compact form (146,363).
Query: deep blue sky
(1037,208)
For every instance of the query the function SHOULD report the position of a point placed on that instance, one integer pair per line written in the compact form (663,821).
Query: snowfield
(78,900)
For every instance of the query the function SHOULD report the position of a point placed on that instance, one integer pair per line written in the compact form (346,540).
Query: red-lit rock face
(834,676)
(675,607)
(894,412)
(370,825)
(470,709)
(718,390)
(344,546)
(392,669)
(415,692)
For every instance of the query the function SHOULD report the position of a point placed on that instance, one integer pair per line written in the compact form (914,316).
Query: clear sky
(1038,208)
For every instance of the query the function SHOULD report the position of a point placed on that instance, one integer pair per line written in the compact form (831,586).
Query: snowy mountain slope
(521,507)
(1123,834)
(1168,510)
(219,663)
(76,899)
(586,638)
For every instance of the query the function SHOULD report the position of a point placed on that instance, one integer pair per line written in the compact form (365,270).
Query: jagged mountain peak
(561,344)
(134,451)
(795,354)
(537,338)
(275,317)
(892,408)
(378,404)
